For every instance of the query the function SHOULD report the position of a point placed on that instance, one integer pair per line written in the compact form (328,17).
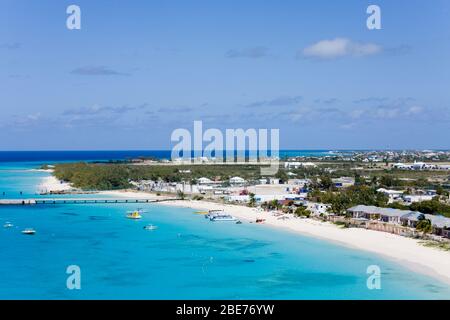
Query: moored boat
(134,215)
(223,217)
(201,212)
(29,231)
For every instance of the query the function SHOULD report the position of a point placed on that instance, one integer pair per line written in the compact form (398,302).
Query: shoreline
(52,184)
(407,252)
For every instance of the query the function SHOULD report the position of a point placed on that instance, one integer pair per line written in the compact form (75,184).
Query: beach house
(440,224)
(237,181)
(376,213)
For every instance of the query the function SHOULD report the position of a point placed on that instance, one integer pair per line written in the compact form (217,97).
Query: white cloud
(414,110)
(340,47)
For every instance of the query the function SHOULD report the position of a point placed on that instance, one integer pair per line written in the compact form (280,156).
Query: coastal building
(274,181)
(343,182)
(204,180)
(439,223)
(416,198)
(392,194)
(376,213)
(262,181)
(401,166)
(299,182)
(237,181)
(317,208)
(296,165)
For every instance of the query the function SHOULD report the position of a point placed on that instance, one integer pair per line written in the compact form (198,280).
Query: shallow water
(187,257)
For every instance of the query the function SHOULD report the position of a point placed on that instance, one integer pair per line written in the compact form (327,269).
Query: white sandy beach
(51,184)
(406,251)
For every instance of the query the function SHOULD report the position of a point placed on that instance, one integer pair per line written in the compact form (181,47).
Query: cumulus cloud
(338,48)
(97,71)
(252,53)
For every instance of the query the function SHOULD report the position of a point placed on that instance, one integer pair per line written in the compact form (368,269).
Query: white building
(416,198)
(274,181)
(392,194)
(296,165)
(344,182)
(204,180)
(318,208)
(237,181)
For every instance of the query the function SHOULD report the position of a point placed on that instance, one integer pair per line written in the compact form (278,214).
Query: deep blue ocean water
(187,257)
(61,156)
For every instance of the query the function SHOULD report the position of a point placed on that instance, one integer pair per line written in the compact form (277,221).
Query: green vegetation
(109,176)
(445,246)
(180,195)
(252,201)
(271,205)
(349,197)
(432,207)
(94,176)
(342,224)
(302,212)
(424,225)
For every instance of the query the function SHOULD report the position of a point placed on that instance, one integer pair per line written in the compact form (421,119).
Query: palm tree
(180,195)
(252,200)
(425,226)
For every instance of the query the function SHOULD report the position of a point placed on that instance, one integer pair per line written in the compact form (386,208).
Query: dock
(40,201)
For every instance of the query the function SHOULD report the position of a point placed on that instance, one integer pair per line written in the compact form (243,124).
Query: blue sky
(139,69)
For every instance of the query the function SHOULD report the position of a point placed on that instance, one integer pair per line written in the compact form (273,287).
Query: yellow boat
(201,212)
(134,215)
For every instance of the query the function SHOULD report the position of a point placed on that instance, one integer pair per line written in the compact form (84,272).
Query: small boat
(8,225)
(201,212)
(213,213)
(223,217)
(150,227)
(134,215)
(29,231)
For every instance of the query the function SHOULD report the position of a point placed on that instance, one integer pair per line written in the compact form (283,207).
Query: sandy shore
(51,184)
(406,251)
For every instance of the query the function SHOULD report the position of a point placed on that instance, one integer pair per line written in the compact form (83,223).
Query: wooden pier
(39,201)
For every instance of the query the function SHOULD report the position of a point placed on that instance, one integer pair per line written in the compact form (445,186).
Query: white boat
(213,213)
(150,227)
(223,217)
(29,231)
(8,225)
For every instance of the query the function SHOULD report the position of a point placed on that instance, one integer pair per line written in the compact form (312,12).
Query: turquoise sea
(187,257)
